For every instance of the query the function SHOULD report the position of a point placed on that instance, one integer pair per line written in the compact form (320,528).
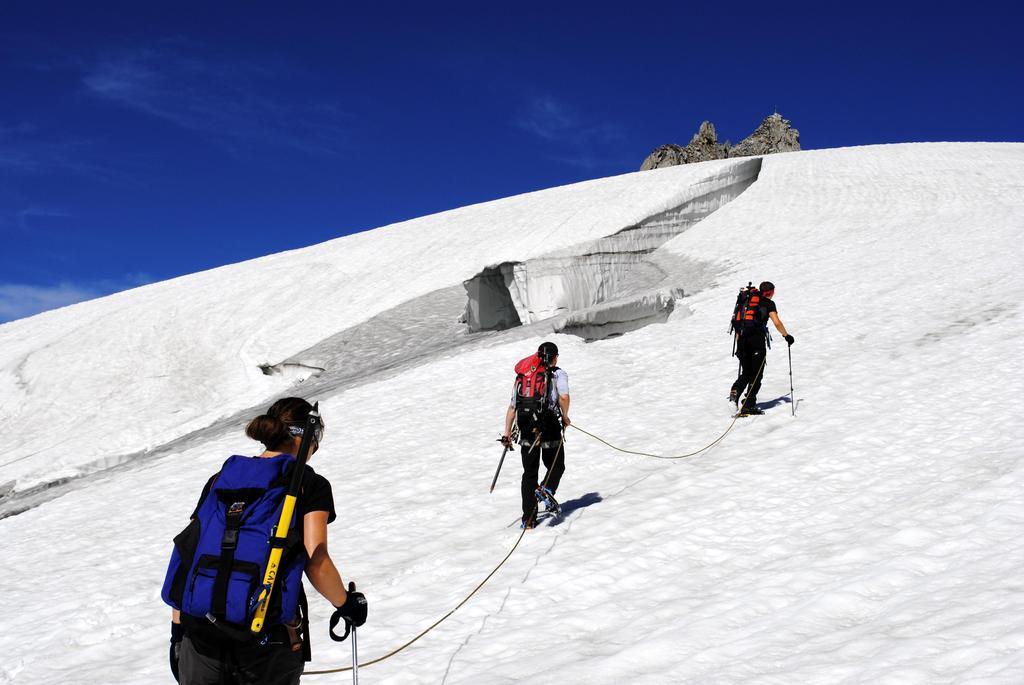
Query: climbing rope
(433,625)
(438,622)
(515,546)
(688,454)
(661,456)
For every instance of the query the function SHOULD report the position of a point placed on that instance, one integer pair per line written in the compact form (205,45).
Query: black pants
(554,461)
(272,664)
(751,352)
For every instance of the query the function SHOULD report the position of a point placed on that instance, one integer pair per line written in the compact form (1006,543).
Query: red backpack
(533,383)
(531,378)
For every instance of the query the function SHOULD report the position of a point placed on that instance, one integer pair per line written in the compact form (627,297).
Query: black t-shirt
(765,308)
(757,336)
(316,495)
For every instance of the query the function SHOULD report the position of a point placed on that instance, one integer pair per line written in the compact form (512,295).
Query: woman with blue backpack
(235,577)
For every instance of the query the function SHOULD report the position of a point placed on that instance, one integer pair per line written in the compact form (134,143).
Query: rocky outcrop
(665,155)
(774,134)
(703,146)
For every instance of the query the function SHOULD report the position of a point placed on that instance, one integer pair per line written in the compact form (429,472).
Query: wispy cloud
(577,141)
(548,119)
(19,154)
(25,216)
(25,151)
(17,129)
(19,300)
(27,219)
(232,101)
(582,160)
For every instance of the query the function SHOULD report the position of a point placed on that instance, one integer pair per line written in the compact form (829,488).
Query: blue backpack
(219,560)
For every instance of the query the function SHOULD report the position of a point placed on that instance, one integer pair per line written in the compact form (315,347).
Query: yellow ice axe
(284,522)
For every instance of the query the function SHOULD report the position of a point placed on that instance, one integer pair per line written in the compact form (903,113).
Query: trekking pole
(350,628)
(355,649)
(277,542)
(792,398)
(355,659)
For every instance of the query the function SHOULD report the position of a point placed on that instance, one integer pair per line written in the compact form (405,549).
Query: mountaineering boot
(528,523)
(734,397)
(548,498)
(752,411)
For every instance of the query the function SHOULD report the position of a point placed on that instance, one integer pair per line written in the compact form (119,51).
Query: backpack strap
(207,489)
(552,386)
(549,378)
(307,648)
(228,545)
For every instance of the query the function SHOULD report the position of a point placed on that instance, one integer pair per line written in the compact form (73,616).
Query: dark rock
(704,145)
(773,135)
(665,155)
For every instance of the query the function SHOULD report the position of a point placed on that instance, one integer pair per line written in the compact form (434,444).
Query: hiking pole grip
(339,616)
(336,617)
(284,522)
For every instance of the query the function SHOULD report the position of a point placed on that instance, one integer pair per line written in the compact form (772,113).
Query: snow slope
(875,537)
(188,350)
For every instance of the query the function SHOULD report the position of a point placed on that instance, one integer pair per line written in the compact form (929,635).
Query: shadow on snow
(572,505)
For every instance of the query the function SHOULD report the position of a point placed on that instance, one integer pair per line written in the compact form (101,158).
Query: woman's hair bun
(269,430)
(272,428)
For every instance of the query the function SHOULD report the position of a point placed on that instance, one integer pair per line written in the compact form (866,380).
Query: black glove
(353,611)
(177,634)
(789,340)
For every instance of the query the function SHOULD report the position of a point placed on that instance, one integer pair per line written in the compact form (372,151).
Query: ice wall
(490,306)
(618,268)
(617,318)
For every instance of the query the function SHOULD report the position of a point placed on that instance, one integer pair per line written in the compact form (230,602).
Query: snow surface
(876,537)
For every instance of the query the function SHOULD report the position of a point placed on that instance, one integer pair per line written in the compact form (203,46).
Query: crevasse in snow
(582,280)
(293,370)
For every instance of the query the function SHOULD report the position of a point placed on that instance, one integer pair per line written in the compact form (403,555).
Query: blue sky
(143,141)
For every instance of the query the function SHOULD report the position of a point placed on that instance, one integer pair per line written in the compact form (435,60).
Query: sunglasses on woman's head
(299,431)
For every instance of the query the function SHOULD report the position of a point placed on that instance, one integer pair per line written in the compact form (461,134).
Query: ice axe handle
(508,446)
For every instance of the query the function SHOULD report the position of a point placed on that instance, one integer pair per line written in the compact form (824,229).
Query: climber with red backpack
(540,408)
(754,308)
